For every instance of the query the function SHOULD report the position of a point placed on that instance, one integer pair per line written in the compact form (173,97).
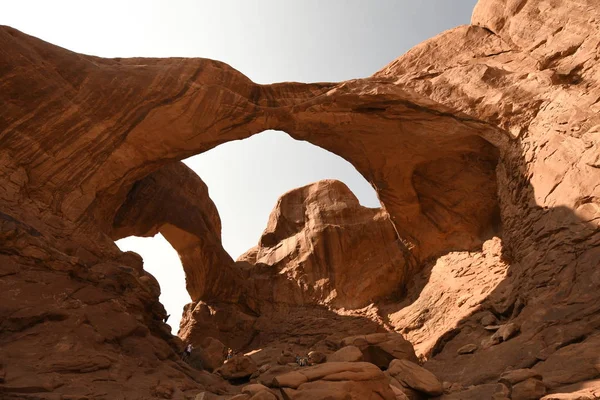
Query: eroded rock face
(322,247)
(335,380)
(174,201)
(84,330)
(485,130)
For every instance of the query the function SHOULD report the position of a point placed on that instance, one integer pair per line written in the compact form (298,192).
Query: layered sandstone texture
(322,247)
(483,145)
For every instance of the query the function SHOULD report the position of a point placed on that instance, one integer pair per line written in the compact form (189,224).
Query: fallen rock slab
(346,354)
(529,389)
(413,376)
(237,367)
(335,380)
(381,348)
(519,375)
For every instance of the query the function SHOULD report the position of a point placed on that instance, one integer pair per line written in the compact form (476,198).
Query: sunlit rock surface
(322,247)
(486,135)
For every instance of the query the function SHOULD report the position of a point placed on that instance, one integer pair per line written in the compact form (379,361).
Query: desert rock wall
(482,144)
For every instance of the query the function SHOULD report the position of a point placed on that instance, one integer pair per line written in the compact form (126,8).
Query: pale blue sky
(269,41)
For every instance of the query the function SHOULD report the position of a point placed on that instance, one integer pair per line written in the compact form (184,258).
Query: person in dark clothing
(187,352)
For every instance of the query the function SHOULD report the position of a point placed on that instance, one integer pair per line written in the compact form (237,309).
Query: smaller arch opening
(162,261)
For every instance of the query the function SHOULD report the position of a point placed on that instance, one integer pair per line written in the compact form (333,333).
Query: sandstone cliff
(483,144)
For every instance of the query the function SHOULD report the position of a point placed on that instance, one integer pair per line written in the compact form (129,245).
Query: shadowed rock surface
(482,144)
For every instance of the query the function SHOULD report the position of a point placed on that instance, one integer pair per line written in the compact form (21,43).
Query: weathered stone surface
(286,358)
(254,388)
(467,349)
(571,396)
(239,366)
(346,354)
(519,375)
(381,348)
(487,391)
(486,130)
(446,293)
(336,380)
(240,397)
(529,389)
(258,392)
(586,390)
(174,201)
(211,352)
(576,362)
(418,378)
(225,321)
(504,333)
(319,247)
(408,392)
(264,395)
(316,357)
(291,380)
(399,393)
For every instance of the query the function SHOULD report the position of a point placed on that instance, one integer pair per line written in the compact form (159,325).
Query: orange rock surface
(322,247)
(483,145)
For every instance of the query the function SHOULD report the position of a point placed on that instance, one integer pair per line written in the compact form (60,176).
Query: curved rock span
(482,144)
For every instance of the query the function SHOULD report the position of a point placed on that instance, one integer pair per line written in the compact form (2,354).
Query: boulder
(239,366)
(381,348)
(258,392)
(519,375)
(335,381)
(316,357)
(286,357)
(488,319)
(413,376)
(211,353)
(267,376)
(400,395)
(529,389)
(264,395)
(504,333)
(254,388)
(408,392)
(346,354)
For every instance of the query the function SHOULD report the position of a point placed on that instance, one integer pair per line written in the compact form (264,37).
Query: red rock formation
(192,100)
(174,201)
(485,130)
(321,247)
(529,68)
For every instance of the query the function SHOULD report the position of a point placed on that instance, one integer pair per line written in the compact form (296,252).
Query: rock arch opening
(246,178)
(448,202)
(162,261)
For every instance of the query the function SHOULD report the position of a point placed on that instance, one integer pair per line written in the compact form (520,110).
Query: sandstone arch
(519,85)
(174,201)
(192,105)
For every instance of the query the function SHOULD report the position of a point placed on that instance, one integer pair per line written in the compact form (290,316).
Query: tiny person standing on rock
(187,352)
